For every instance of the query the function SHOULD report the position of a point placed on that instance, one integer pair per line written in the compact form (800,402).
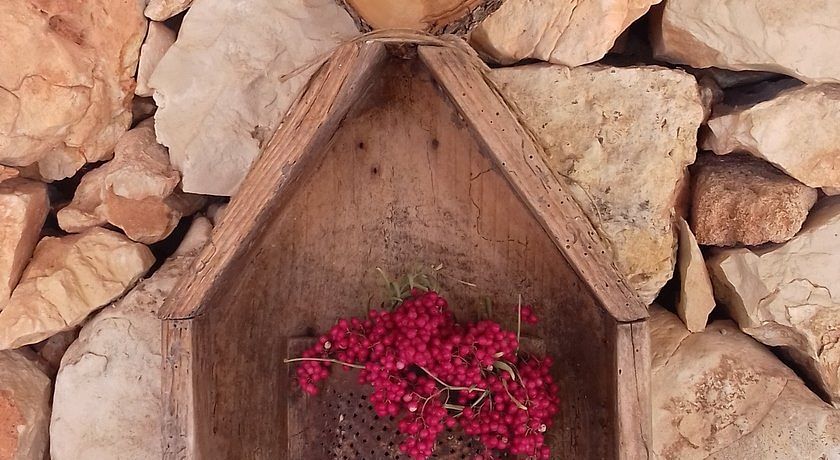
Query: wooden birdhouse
(388,162)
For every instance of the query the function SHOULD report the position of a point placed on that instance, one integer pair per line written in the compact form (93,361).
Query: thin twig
(518,322)
(325,360)
(450,387)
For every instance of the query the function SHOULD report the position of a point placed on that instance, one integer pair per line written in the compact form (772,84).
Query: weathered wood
(178,435)
(521,161)
(403,183)
(633,409)
(298,141)
(436,17)
(398,180)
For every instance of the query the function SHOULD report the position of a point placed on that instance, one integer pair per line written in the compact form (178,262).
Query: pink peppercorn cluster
(434,373)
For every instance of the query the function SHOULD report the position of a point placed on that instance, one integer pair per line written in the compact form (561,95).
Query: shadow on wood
(391,163)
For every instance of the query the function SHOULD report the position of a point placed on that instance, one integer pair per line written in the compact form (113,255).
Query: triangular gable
(315,117)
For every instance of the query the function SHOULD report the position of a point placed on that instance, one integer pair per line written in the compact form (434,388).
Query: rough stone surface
(158,40)
(161,10)
(23,208)
(24,408)
(52,349)
(789,296)
(568,32)
(66,79)
(7,173)
(720,395)
(252,58)
(136,191)
(740,200)
(775,131)
(623,137)
(697,300)
(768,35)
(67,279)
(107,392)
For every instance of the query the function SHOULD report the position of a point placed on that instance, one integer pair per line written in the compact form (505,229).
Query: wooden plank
(179,441)
(404,183)
(298,140)
(633,409)
(520,159)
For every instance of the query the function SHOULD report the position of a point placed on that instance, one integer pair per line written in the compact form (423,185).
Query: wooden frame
(200,365)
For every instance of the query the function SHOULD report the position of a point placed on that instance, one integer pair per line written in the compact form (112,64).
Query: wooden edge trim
(307,127)
(177,392)
(458,20)
(520,159)
(632,403)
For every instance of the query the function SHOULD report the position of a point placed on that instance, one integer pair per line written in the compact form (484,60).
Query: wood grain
(519,158)
(436,17)
(633,405)
(403,184)
(178,435)
(297,142)
(391,176)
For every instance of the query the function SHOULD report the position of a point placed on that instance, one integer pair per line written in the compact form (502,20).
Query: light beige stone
(228,80)
(67,279)
(136,191)
(7,173)
(789,296)
(720,395)
(66,79)
(769,35)
(158,40)
(107,394)
(775,131)
(697,300)
(741,200)
(568,32)
(23,208)
(832,191)
(623,137)
(161,10)
(24,408)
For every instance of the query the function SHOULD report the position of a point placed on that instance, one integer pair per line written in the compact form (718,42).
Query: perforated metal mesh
(340,424)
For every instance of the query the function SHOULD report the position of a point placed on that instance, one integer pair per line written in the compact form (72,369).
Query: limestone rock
(697,300)
(24,408)
(789,296)
(768,35)
(435,17)
(623,137)
(158,40)
(7,173)
(107,393)
(66,79)
(831,191)
(720,395)
(51,350)
(740,200)
(252,58)
(775,131)
(136,191)
(23,208)
(568,32)
(161,10)
(141,109)
(67,279)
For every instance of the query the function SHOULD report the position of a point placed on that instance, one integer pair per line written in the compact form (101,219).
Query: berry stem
(518,322)
(326,360)
(450,387)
